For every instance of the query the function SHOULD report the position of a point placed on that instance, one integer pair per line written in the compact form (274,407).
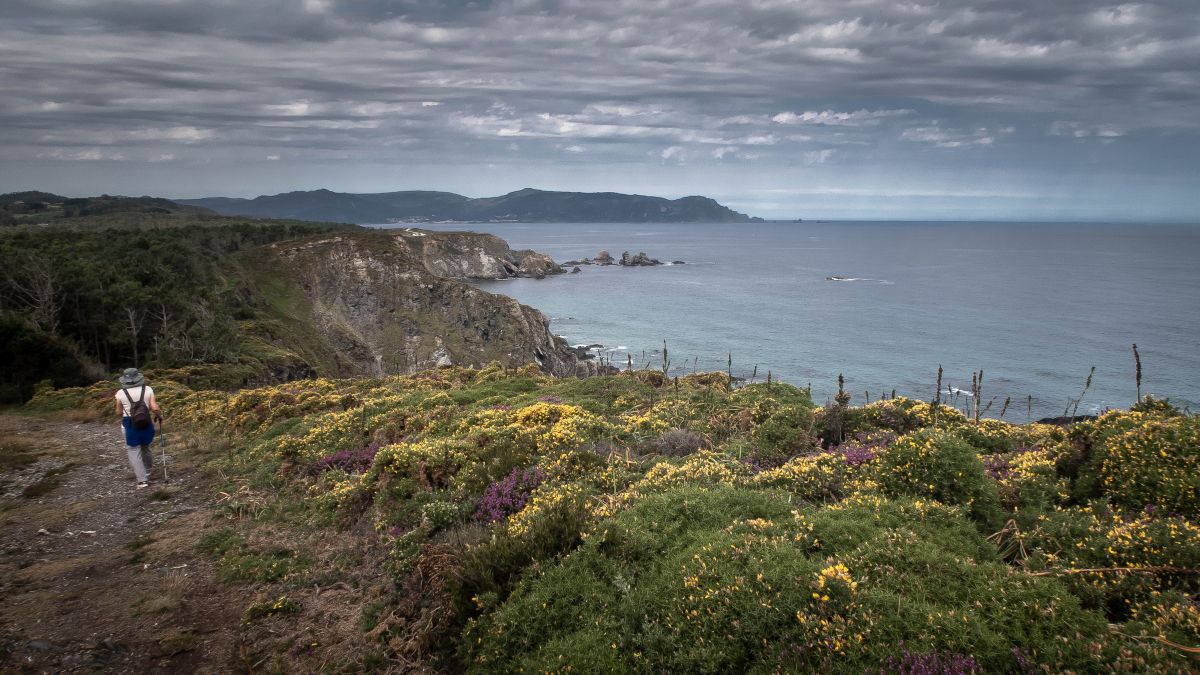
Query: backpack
(139,412)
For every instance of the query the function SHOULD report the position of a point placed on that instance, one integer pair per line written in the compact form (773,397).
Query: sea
(1033,306)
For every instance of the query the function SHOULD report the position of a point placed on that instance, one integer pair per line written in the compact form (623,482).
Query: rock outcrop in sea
(603,258)
(639,260)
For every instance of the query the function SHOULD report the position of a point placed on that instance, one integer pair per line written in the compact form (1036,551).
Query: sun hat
(132,378)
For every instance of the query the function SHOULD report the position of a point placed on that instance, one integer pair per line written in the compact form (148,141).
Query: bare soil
(98,576)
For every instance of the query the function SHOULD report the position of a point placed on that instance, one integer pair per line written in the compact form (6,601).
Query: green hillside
(636,524)
(528,205)
(110,283)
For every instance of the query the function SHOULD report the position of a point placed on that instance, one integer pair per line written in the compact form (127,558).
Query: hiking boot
(142,484)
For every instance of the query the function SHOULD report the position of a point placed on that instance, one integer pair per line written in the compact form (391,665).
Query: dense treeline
(76,304)
(44,209)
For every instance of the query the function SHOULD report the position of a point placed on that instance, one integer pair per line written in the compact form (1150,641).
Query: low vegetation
(632,523)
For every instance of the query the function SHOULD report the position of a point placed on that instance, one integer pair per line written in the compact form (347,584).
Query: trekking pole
(163,441)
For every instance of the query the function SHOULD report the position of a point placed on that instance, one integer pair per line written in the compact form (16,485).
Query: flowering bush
(441,515)
(508,496)
(935,465)
(1154,464)
(730,580)
(785,431)
(933,663)
(865,447)
(755,553)
(354,460)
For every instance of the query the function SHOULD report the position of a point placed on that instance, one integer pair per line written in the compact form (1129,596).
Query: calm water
(1034,306)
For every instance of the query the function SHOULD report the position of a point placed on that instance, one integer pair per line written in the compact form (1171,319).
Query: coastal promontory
(523,206)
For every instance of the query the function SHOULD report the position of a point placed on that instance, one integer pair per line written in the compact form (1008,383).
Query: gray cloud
(667,83)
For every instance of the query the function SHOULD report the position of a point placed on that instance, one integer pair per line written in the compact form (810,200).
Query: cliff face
(470,255)
(367,303)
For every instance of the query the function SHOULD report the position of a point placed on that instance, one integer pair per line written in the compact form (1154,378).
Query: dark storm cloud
(772,82)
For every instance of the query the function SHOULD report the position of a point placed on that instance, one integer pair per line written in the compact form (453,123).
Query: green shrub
(786,431)
(281,429)
(934,465)
(1155,406)
(989,436)
(728,580)
(493,566)
(442,515)
(406,549)
(1155,465)
(897,415)
(1098,538)
(781,392)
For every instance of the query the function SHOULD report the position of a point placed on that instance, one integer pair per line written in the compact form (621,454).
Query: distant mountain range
(522,206)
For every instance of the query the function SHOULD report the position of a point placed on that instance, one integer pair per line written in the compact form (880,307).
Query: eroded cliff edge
(474,255)
(380,303)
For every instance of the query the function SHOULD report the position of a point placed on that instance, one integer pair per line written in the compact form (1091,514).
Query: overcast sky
(1012,109)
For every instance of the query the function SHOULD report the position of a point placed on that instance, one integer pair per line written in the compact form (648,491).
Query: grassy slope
(286,308)
(757,552)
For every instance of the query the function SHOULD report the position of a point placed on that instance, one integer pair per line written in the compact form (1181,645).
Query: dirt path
(77,595)
(97,576)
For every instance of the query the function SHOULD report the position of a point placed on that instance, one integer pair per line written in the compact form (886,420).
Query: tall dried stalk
(666,362)
(977,392)
(1086,386)
(1003,410)
(985,409)
(974,391)
(1138,361)
(937,401)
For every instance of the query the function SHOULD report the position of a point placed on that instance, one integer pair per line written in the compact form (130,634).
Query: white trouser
(141,460)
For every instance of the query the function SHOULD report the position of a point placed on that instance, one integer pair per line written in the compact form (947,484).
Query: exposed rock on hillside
(369,303)
(471,255)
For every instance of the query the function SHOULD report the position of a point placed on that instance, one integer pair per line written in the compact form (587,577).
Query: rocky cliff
(372,303)
(471,255)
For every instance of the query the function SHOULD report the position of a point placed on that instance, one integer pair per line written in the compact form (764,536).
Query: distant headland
(523,206)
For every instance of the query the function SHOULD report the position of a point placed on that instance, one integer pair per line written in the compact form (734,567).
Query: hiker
(135,403)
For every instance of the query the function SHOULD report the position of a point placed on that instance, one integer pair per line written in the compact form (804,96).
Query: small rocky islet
(603,258)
